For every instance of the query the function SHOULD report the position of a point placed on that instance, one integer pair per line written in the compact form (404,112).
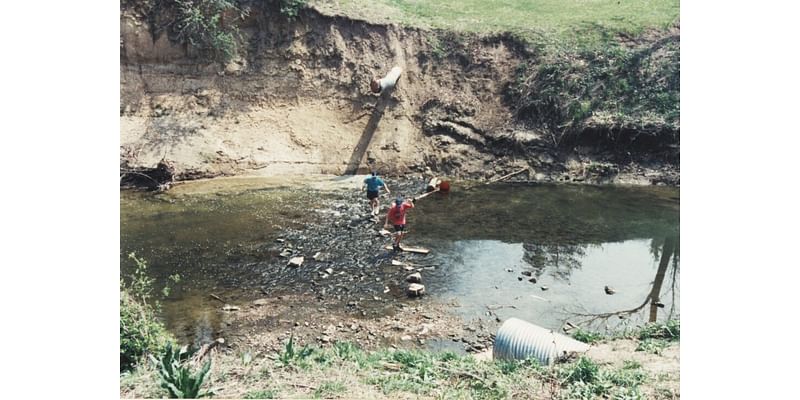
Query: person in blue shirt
(373,185)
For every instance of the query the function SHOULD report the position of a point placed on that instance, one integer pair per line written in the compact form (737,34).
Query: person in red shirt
(397,216)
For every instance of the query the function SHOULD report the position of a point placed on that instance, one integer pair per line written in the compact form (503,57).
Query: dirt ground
(301,104)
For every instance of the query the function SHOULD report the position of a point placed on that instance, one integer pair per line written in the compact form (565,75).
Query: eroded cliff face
(297,101)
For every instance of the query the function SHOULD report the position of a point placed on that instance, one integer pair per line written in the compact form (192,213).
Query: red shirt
(397,215)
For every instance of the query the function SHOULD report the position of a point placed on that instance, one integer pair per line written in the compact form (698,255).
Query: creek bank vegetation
(343,370)
(156,366)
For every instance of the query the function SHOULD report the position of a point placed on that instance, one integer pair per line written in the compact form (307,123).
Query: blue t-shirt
(373,183)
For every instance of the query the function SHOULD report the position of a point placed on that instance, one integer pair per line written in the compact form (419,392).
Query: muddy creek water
(543,253)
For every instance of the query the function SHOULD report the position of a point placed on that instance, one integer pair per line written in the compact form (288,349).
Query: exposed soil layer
(297,101)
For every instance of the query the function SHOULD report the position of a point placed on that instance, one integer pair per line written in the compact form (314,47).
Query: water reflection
(667,251)
(559,259)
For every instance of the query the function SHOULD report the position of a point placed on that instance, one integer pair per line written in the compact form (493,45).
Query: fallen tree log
(161,177)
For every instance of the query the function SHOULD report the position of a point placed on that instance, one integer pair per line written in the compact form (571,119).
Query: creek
(487,242)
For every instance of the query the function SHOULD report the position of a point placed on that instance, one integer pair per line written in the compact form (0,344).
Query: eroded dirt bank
(297,101)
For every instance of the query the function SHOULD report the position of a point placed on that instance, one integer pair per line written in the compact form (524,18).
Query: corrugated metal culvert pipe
(517,340)
(387,82)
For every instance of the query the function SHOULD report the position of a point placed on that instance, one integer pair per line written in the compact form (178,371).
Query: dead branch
(205,349)
(508,175)
(215,297)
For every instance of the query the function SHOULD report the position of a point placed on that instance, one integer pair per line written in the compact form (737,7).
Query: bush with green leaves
(140,330)
(291,8)
(200,23)
(178,377)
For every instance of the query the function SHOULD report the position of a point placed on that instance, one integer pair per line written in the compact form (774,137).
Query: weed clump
(140,331)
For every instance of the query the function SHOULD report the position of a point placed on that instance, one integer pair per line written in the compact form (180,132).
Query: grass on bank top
(562,17)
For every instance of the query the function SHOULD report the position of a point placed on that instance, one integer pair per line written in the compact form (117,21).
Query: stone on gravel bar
(415,289)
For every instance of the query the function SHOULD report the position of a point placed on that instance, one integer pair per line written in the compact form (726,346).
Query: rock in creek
(416,277)
(532,280)
(545,288)
(295,262)
(526,273)
(609,290)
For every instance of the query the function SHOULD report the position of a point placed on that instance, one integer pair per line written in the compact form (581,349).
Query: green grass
(670,330)
(330,389)
(344,370)
(562,17)
(586,336)
(585,379)
(260,394)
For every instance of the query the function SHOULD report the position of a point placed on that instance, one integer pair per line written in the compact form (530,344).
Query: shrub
(199,23)
(291,8)
(140,331)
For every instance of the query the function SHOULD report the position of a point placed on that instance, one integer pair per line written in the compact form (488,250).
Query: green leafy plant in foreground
(290,353)
(177,376)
